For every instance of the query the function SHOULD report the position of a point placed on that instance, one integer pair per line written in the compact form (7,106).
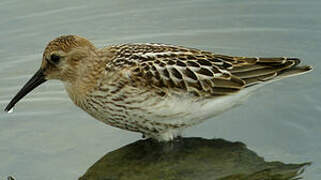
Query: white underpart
(190,111)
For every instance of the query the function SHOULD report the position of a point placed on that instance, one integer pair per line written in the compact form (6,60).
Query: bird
(154,89)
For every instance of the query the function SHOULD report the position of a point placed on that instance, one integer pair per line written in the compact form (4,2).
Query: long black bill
(34,82)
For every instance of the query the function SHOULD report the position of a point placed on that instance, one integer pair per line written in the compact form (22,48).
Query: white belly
(190,110)
(159,117)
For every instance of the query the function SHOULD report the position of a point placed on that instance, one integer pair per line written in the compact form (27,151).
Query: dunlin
(155,89)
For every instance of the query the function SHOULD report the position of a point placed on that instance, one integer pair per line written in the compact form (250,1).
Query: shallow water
(47,137)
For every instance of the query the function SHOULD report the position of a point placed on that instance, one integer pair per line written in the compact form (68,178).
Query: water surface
(47,137)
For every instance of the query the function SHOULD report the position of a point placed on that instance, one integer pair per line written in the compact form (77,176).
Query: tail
(257,70)
(294,70)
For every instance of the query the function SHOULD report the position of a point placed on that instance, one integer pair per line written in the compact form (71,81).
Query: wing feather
(199,72)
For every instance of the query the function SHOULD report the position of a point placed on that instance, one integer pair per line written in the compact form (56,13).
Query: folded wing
(198,72)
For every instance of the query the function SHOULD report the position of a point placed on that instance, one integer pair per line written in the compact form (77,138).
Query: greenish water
(47,137)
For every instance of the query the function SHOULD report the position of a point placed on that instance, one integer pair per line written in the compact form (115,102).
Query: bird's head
(62,60)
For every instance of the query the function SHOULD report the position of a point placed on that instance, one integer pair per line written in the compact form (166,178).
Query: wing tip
(297,61)
(296,70)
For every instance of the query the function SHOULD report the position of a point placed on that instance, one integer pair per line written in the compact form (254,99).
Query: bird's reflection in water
(190,159)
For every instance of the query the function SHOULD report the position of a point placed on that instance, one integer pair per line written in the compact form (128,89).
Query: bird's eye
(55,58)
